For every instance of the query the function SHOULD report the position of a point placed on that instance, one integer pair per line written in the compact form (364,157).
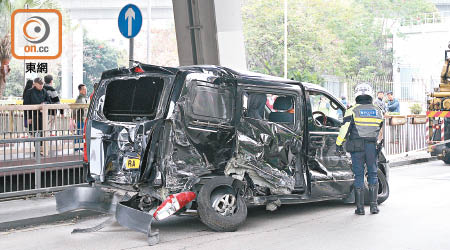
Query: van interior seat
(282,104)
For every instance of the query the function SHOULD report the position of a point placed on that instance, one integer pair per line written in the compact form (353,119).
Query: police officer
(362,125)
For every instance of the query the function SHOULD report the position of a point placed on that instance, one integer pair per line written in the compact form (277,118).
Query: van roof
(251,77)
(247,77)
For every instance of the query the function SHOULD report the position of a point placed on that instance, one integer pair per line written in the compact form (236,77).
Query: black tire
(216,187)
(446,158)
(383,189)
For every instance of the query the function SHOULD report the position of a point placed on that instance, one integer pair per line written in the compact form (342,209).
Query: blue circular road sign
(130,21)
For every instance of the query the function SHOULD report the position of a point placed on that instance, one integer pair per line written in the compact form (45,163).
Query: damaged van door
(270,141)
(125,111)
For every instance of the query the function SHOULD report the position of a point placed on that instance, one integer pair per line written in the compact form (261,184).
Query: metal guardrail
(399,139)
(426,18)
(46,158)
(35,170)
(41,148)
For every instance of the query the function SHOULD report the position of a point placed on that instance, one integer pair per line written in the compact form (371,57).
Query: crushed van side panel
(266,152)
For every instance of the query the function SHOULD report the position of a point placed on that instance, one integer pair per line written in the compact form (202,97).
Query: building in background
(418,46)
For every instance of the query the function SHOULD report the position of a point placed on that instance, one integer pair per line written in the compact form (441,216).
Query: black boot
(359,200)
(373,196)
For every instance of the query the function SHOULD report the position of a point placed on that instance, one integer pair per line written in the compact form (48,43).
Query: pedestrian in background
(28,86)
(380,101)
(79,113)
(54,98)
(344,101)
(36,95)
(393,104)
(33,96)
(362,126)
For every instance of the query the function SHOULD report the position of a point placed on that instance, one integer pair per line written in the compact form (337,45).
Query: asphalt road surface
(416,216)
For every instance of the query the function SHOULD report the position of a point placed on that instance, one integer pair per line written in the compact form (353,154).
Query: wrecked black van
(211,140)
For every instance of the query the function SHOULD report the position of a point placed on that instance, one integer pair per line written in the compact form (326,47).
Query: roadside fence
(426,18)
(404,134)
(41,148)
(381,83)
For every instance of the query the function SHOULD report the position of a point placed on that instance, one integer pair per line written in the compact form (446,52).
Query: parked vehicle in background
(207,138)
(438,114)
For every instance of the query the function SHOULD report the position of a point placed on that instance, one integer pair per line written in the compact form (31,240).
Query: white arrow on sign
(130,16)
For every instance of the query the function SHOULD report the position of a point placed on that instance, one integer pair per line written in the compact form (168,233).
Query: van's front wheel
(220,206)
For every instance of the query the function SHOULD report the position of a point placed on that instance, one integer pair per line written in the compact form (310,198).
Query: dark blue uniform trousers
(369,157)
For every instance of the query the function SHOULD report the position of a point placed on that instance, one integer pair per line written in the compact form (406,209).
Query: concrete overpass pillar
(66,65)
(210,32)
(78,55)
(72,60)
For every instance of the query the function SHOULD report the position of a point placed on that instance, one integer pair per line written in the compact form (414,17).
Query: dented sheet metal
(266,152)
(96,199)
(331,173)
(113,140)
(180,160)
(193,148)
(88,198)
(137,220)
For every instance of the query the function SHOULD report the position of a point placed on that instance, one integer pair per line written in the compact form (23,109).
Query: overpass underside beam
(209,32)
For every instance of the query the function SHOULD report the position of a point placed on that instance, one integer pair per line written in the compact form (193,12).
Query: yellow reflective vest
(362,121)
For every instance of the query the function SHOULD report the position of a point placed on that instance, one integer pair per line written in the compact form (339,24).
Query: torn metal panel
(331,174)
(181,160)
(324,162)
(132,218)
(97,199)
(117,135)
(198,145)
(88,198)
(267,153)
(137,220)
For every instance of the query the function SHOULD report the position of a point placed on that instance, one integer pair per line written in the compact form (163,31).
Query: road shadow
(257,216)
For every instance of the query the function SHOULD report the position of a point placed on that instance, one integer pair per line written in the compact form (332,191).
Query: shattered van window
(269,107)
(211,102)
(128,99)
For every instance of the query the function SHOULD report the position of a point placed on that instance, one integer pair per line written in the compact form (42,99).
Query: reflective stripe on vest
(367,120)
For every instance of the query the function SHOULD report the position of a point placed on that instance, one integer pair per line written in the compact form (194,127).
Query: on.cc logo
(36,29)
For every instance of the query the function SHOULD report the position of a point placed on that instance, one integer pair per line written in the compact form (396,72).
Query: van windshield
(128,99)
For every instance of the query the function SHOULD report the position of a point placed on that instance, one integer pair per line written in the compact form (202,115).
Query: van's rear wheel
(220,207)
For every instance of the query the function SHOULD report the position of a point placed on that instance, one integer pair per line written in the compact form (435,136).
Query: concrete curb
(412,161)
(48,219)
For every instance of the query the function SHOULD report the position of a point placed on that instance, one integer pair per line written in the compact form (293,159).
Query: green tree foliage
(15,80)
(339,37)
(98,57)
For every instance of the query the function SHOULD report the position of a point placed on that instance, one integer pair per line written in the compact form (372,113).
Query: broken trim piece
(137,220)
(98,200)
(88,198)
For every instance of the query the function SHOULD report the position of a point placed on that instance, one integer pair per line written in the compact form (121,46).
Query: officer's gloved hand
(340,150)
(380,145)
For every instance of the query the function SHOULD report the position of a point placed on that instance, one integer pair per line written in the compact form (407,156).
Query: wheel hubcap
(225,204)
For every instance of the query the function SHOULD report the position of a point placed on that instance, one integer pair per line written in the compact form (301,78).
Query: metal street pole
(285,37)
(149,29)
(131,52)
